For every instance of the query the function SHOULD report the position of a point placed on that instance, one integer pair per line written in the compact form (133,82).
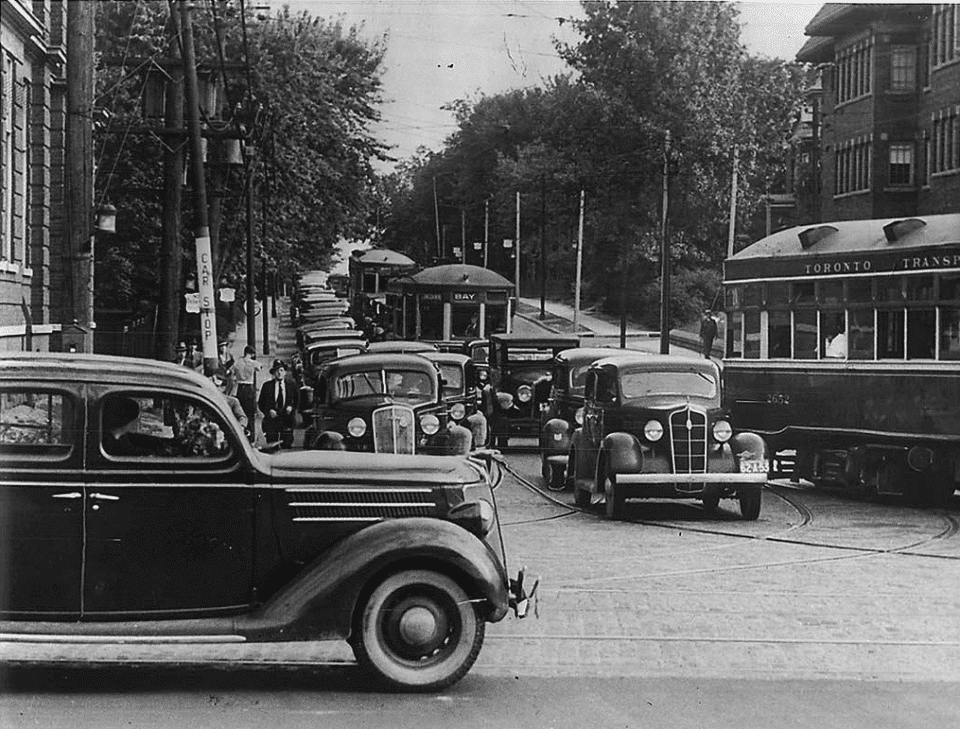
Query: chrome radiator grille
(394,430)
(688,440)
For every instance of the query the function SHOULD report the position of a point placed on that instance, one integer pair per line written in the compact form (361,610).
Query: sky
(442,50)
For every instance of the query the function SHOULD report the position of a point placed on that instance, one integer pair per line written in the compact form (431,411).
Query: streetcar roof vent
(900,228)
(811,236)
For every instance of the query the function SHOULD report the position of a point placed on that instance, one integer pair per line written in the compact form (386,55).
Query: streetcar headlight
(429,424)
(524,393)
(722,432)
(653,431)
(458,411)
(578,416)
(357,427)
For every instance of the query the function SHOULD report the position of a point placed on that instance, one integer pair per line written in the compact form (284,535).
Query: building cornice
(18,16)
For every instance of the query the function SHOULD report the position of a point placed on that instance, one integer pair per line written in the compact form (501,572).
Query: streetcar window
(752,296)
(778,293)
(861,341)
(949,333)
(778,334)
(890,288)
(804,292)
(805,334)
(833,334)
(751,335)
(735,334)
(859,291)
(920,288)
(921,333)
(831,292)
(890,334)
(431,319)
(950,288)
(732,297)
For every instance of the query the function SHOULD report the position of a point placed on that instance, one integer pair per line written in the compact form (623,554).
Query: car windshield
(323,354)
(452,379)
(529,355)
(670,382)
(406,385)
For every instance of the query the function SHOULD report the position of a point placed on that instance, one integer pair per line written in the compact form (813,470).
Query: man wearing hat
(180,357)
(278,402)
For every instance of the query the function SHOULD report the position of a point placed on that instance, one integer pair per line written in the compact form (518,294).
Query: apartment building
(881,137)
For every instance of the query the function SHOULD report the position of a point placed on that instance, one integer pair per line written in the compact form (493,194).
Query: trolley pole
(516,243)
(732,230)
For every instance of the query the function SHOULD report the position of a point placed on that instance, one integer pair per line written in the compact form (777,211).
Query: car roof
(388,360)
(335,343)
(100,368)
(320,335)
(648,361)
(581,355)
(401,346)
(447,357)
(527,340)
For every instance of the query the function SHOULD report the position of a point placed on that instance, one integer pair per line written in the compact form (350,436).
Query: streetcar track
(806,518)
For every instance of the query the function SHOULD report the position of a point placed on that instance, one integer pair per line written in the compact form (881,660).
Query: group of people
(277,400)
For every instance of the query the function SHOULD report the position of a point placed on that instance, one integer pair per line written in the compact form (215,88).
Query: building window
(852,171)
(901,164)
(7,84)
(945,34)
(945,146)
(855,71)
(903,68)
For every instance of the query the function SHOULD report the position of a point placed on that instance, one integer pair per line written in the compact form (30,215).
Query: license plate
(753,467)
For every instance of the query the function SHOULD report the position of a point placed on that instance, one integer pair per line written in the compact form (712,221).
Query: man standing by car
(278,402)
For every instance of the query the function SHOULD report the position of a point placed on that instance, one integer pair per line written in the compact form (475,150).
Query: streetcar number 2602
(778,398)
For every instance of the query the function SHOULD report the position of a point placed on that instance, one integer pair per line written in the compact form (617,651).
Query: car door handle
(70,495)
(104,497)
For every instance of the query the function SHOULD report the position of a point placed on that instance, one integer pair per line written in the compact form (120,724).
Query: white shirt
(837,347)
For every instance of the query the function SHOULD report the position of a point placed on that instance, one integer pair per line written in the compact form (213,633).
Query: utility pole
(171,252)
(665,254)
(732,230)
(543,247)
(79,167)
(436,217)
(208,318)
(516,243)
(463,235)
(576,293)
(486,230)
(251,266)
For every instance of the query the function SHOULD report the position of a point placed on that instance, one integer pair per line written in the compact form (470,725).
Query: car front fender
(622,453)
(321,601)
(555,437)
(748,446)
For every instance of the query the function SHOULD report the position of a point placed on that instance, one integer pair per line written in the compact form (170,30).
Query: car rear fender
(555,436)
(321,601)
(622,453)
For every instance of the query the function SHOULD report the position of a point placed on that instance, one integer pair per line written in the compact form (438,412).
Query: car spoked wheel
(418,631)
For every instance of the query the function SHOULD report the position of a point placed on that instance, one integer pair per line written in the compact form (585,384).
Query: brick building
(882,138)
(32,143)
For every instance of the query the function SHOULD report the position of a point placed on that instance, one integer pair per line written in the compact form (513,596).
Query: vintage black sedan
(653,427)
(461,391)
(520,376)
(133,508)
(563,413)
(381,403)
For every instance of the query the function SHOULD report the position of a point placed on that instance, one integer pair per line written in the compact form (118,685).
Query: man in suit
(278,402)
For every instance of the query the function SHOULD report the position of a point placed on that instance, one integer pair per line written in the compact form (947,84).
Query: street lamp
(106,218)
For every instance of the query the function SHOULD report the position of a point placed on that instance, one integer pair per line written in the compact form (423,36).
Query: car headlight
(458,411)
(524,393)
(578,416)
(653,431)
(429,423)
(722,432)
(357,427)
(477,517)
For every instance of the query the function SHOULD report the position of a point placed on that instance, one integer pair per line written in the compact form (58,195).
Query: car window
(578,378)
(410,385)
(358,384)
(530,355)
(161,426)
(681,383)
(36,422)
(452,379)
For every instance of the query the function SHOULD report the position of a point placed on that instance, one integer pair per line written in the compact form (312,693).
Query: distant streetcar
(843,347)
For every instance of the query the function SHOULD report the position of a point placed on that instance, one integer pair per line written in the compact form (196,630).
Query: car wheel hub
(419,629)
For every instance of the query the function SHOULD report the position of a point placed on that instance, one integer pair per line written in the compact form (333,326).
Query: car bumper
(691,478)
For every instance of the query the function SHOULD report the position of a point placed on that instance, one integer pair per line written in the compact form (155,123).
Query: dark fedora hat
(277,364)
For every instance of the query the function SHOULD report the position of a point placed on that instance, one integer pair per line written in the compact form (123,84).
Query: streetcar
(843,352)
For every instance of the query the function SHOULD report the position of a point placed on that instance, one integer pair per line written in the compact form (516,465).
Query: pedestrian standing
(708,332)
(225,365)
(180,357)
(245,373)
(278,401)
(194,357)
